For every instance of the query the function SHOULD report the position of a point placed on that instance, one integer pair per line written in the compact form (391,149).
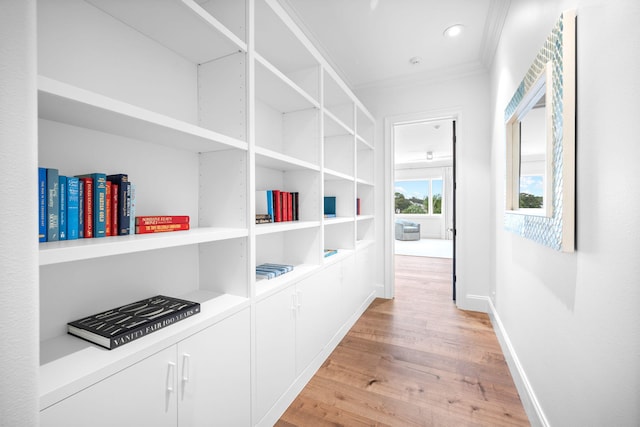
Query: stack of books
(329,252)
(269,271)
(279,206)
(84,206)
(161,223)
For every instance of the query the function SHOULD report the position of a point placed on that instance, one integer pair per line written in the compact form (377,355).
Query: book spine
(277,206)
(87,207)
(296,206)
(285,206)
(154,326)
(114,209)
(132,211)
(124,203)
(290,206)
(109,206)
(99,205)
(73,200)
(62,207)
(159,220)
(124,217)
(42,204)
(270,204)
(145,229)
(80,208)
(52,205)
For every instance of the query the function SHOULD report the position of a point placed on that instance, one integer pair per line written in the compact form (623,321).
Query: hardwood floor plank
(415,360)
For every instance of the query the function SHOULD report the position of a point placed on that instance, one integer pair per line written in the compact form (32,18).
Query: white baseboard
(473,303)
(527,395)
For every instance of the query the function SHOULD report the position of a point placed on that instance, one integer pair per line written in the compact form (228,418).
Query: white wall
(18,230)
(467,97)
(573,319)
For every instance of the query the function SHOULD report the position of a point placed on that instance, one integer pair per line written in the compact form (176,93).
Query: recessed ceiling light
(453,30)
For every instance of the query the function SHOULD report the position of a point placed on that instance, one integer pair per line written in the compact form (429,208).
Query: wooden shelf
(278,227)
(333,126)
(76,250)
(280,92)
(165,21)
(274,160)
(266,287)
(69,364)
(332,175)
(64,103)
(337,220)
(363,144)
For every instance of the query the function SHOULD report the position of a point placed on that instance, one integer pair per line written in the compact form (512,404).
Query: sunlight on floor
(435,248)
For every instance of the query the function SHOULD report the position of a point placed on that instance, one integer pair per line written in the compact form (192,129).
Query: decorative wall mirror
(540,138)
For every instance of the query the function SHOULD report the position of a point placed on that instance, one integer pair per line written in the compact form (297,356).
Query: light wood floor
(415,360)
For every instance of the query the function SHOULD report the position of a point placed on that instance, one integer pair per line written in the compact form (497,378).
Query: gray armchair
(407,230)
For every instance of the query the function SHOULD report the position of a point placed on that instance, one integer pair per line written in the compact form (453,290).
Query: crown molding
(438,75)
(496,16)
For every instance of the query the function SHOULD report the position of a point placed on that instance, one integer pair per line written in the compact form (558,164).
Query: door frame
(389,179)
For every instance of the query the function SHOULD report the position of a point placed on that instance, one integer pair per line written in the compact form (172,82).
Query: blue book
(62,207)
(99,203)
(42,204)
(53,202)
(80,209)
(329,207)
(73,208)
(270,203)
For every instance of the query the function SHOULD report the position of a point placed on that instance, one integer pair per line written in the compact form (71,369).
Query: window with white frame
(419,197)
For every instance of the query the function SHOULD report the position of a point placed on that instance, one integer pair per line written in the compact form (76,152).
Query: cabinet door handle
(171,377)
(185,367)
(298,305)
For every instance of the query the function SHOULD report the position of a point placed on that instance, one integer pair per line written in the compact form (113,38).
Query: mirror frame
(555,68)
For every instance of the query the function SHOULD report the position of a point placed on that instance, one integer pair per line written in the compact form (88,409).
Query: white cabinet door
(214,375)
(351,285)
(365,262)
(275,348)
(141,395)
(318,314)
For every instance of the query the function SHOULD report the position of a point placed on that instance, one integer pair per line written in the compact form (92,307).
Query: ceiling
(414,140)
(371,42)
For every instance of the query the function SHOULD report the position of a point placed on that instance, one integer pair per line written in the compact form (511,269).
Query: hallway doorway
(422,180)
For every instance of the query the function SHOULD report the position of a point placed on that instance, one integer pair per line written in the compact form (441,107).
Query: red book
(277,206)
(162,219)
(285,201)
(160,228)
(290,211)
(87,206)
(288,196)
(114,208)
(108,208)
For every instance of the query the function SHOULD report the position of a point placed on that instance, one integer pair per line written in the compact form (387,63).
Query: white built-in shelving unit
(201,103)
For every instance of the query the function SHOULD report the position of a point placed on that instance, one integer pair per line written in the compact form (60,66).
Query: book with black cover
(113,328)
